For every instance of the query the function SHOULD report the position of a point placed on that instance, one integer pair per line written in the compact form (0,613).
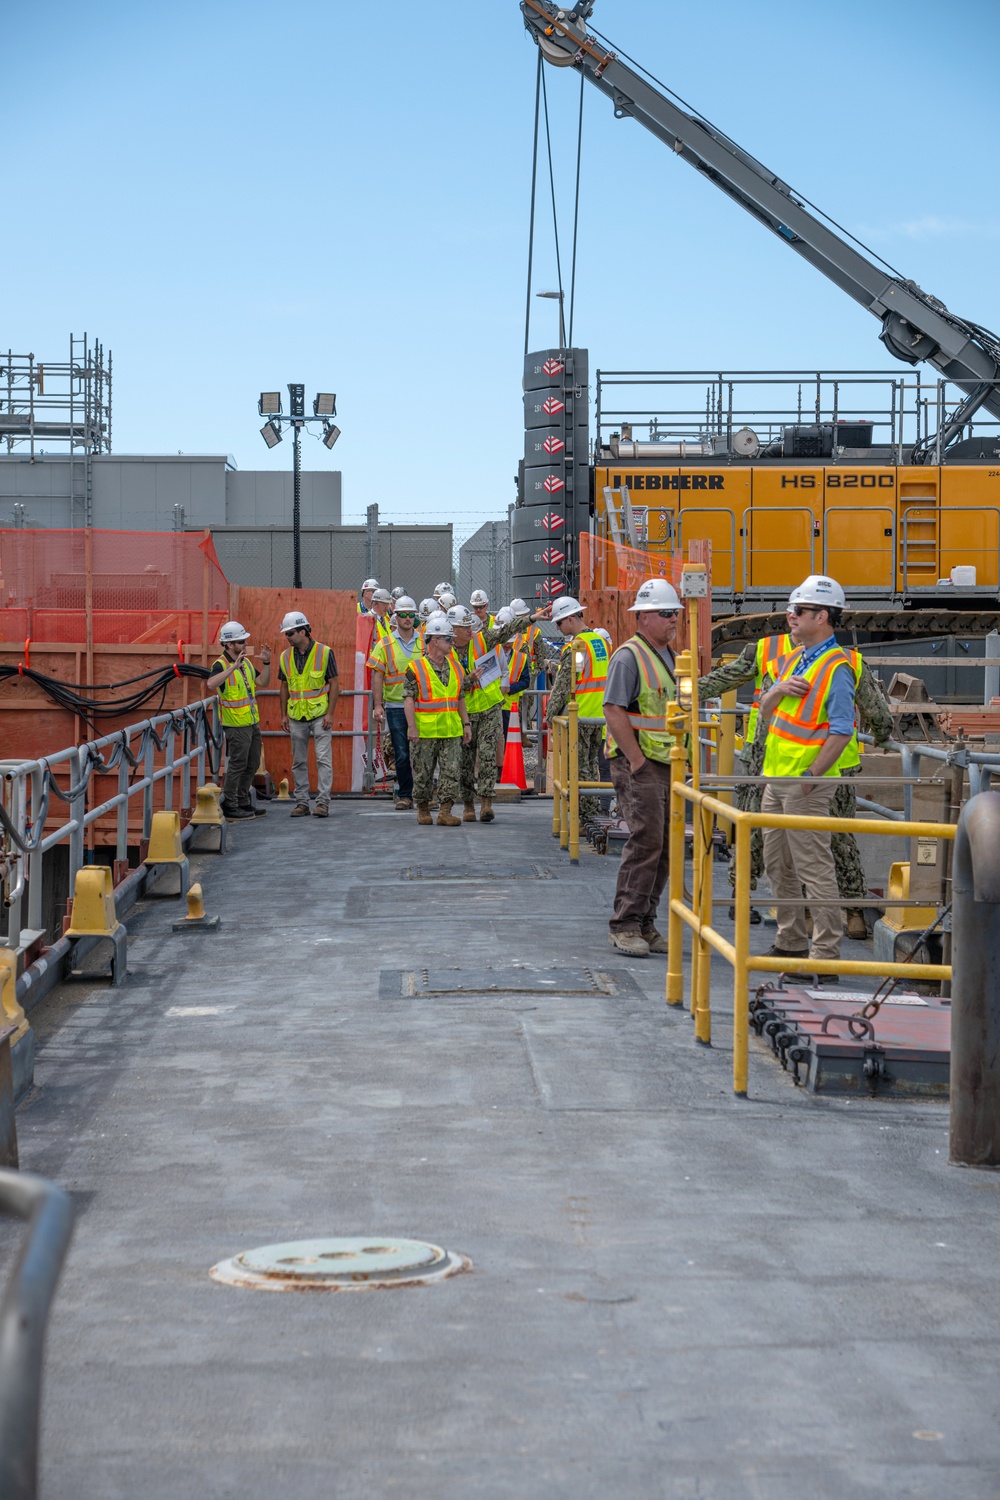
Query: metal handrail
(24,1312)
(27,784)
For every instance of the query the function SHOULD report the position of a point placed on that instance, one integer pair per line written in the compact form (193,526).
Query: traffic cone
(513,757)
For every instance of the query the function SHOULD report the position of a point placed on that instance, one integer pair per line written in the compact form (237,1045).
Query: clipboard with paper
(488,667)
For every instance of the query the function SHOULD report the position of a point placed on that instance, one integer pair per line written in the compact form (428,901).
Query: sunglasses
(804,609)
(666,614)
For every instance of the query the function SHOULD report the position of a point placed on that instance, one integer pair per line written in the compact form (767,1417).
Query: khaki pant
(302,731)
(798,857)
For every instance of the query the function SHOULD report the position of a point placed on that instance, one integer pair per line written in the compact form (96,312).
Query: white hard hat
(462,617)
(439,624)
(233,631)
(821,590)
(655,593)
(505,616)
(294,620)
(381,596)
(369,583)
(406,604)
(479,596)
(398,593)
(519,609)
(600,630)
(565,606)
(445,599)
(441,588)
(427,608)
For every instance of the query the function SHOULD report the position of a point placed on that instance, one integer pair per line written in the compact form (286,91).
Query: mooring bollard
(975,988)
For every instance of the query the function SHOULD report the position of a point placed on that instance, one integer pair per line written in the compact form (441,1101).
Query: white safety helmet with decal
(820,590)
(462,618)
(565,606)
(445,600)
(519,609)
(427,608)
(232,632)
(479,597)
(655,593)
(505,616)
(369,583)
(439,625)
(441,588)
(294,620)
(405,605)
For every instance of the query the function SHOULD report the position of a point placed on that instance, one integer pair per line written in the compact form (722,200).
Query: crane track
(889,624)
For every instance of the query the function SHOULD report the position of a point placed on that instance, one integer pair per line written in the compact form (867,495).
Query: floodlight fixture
(325,405)
(271,433)
(330,434)
(269,404)
(297,400)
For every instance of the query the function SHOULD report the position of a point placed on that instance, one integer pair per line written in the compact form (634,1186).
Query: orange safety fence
(610,574)
(110,587)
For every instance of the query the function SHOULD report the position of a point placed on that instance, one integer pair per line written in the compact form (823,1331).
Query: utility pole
(371,542)
(324,408)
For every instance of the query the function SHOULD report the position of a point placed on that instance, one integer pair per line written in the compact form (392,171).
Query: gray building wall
(414,557)
(140,493)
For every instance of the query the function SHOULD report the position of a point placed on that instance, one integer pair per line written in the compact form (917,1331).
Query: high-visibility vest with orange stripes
(436,705)
(591,673)
(308,691)
(392,662)
(799,726)
(770,650)
(238,694)
(656,691)
(477,700)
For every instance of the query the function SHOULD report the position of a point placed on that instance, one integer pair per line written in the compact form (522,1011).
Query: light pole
(324,408)
(559,297)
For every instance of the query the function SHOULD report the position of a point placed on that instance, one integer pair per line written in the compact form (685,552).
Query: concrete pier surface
(674,1293)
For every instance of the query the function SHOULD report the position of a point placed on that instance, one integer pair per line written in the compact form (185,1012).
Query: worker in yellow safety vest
(583,671)
(527,661)
(638,688)
(437,720)
(365,597)
(388,661)
(234,679)
(382,607)
(810,721)
(479,603)
(307,674)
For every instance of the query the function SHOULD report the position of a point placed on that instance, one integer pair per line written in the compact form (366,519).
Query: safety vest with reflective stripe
(308,692)
(478,700)
(383,627)
(591,673)
(392,661)
(799,726)
(436,706)
(770,650)
(238,694)
(656,690)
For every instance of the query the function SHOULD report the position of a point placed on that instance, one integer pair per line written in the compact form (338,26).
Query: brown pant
(800,857)
(644,803)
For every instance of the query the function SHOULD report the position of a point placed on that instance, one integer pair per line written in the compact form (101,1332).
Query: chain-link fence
(484,563)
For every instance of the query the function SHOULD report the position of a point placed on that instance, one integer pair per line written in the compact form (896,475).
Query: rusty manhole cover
(353,1264)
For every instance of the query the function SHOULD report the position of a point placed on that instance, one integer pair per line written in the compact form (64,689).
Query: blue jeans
(396,720)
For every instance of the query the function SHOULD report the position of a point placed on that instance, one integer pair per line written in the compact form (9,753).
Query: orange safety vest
(799,726)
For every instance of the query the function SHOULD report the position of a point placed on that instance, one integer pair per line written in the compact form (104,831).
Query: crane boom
(915,325)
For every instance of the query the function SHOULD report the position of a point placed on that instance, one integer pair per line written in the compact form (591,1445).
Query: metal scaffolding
(60,405)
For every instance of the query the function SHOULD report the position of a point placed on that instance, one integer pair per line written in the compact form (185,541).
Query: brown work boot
(445,819)
(300,810)
(856,926)
(655,941)
(322,809)
(404,804)
(469,815)
(424,813)
(486,813)
(632,943)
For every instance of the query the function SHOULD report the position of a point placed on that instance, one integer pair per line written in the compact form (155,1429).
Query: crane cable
(542,111)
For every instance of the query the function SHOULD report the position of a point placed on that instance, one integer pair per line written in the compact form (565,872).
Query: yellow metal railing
(566,783)
(706,809)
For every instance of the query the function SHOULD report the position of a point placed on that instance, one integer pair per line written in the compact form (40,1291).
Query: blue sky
(233,195)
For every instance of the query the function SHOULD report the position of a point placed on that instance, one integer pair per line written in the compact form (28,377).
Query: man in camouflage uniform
(479,755)
(873,716)
(430,680)
(567,616)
